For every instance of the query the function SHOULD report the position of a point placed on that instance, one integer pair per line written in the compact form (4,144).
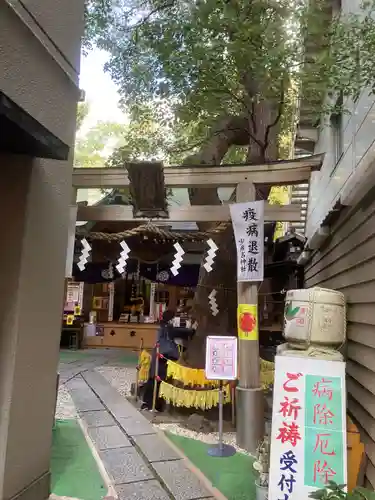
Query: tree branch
(277,118)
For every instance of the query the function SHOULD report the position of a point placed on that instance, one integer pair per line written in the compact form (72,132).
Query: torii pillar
(249,394)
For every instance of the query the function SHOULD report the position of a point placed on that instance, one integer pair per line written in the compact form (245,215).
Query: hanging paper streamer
(211,254)
(178,257)
(85,252)
(124,255)
(213,303)
(190,377)
(190,398)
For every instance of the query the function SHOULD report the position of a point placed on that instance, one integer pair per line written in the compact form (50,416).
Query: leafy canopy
(92,147)
(218,57)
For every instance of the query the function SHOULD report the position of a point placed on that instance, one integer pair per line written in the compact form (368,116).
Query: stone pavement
(139,461)
(69,369)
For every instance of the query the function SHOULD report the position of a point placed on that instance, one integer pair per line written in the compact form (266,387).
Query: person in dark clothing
(169,350)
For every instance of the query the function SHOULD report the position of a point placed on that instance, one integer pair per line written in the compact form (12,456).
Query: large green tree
(234,72)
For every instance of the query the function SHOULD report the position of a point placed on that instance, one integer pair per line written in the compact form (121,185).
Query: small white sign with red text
(221,358)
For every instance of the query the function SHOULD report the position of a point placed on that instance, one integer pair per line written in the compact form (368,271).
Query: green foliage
(335,491)
(219,57)
(93,148)
(82,112)
(153,133)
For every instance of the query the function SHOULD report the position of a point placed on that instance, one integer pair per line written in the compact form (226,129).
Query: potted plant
(335,491)
(262,467)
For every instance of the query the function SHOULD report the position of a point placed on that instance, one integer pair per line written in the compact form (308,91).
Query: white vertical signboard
(248,227)
(308,439)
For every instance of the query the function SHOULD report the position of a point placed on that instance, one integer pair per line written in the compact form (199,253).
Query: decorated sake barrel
(315,316)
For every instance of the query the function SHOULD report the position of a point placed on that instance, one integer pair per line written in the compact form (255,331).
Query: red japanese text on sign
(289,433)
(323,472)
(323,389)
(322,415)
(288,385)
(290,408)
(322,444)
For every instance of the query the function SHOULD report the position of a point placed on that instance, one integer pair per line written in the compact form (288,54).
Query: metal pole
(156,378)
(221,404)
(137,371)
(249,394)
(221,449)
(233,403)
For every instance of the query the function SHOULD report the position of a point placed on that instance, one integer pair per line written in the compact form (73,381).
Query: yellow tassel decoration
(189,376)
(203,400)
(144,366)
(186,376)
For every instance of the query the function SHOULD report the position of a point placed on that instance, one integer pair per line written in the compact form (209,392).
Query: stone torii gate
(244,178)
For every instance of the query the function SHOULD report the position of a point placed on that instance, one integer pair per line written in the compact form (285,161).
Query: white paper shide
(248,227)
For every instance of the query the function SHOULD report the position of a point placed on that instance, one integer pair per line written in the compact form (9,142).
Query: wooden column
(249,397)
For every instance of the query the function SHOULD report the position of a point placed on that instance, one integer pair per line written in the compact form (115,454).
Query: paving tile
(98,418)
(125,465)
(98,382)
(77,385)
(89,403)
(181,482)
(106,438)
(125,410)
(118,405)
(145,490)
(136,426)
(155,448)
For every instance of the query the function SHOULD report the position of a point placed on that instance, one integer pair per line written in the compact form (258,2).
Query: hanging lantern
(211,254)
(178,257)
(213,303)
(124,255)
(84,256)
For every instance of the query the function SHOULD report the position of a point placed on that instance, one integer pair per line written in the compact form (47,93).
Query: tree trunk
(223,278)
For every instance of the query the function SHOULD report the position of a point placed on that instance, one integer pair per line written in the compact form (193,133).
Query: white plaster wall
(32,78)
(34,200)
(62,20)
(359,146)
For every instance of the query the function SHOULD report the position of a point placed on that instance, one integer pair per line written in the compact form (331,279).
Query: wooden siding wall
(347,264)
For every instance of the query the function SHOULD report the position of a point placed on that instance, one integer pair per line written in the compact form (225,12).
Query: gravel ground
(65,408)
(209,438)
(119,377)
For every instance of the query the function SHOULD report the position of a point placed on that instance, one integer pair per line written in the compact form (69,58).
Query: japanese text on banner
(248,228)
(289,434)
(308,444)
(324,453)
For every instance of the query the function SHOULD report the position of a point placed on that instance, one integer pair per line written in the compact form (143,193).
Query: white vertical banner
(308,437)
(111,289)
(80,294)
(152,300)
(71,241)
(248,228)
